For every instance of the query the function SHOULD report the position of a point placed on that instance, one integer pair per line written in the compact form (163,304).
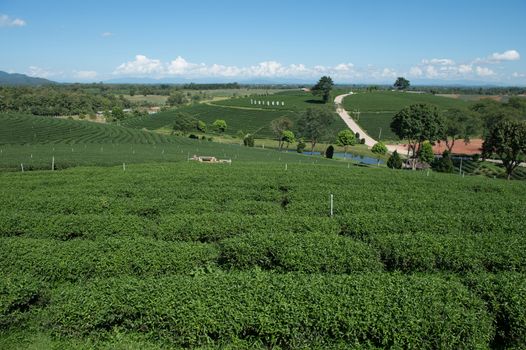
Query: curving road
(369,141)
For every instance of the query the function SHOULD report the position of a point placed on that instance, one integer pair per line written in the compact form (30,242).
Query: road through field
(369,141)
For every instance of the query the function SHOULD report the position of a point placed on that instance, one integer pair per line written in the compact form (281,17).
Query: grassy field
(377,108)
(284,101)
(186,255)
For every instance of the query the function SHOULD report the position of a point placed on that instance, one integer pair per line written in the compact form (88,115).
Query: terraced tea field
(186,255)
(376,109)
(239,113)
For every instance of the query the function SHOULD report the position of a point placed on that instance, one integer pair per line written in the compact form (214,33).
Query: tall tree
(401,83)
(220,125)
(288,137)
(380,149)
(314,124)
(507,139)
(345,139)
(417,123)
(323,88)
(278,126)
(459,124)
(183,123)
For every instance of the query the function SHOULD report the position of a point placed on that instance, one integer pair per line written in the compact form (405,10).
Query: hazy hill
(22,79)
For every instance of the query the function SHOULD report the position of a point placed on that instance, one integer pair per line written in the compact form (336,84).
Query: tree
(425,153)
(401,83)
(183,123)
(288,137)
(176,99)
(458,124)
(323,88)
(507,139)
(117,113)
(329,152)
(394,161)
(444,164)
(301,146)
(248,140)
(380,149)
(314,124)
(220,125)
(278,126)
(201,126)
(417,123)
(345,139)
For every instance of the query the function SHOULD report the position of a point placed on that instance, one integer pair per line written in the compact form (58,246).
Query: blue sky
(353,41)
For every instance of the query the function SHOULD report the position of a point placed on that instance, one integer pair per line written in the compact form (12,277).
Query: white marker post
(22,166)
(53,163)
(460,170)
(332,205)
(285,166)
(123,166)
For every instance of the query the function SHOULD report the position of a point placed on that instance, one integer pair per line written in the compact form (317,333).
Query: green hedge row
(19,294)
(312,252)
(361,225)
(456,253)
(53,260)
(285,310)
(505,295)
(178,227)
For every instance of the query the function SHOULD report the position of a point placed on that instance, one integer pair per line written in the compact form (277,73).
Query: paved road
(369,141)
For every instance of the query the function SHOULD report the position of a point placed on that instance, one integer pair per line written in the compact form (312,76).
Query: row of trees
(503,130)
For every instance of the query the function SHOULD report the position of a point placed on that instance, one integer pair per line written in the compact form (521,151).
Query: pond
(350,156)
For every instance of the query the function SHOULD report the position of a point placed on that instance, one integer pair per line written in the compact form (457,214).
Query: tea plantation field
(33,142)
(240,114)
(187,255)
(378,108)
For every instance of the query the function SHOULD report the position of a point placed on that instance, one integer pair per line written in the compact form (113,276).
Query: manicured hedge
(309,252)
(452,252)
(80,259)
(285,310)
(505,295)
(19,294)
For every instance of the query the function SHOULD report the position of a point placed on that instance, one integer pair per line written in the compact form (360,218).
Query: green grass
(378,108)
(294,101)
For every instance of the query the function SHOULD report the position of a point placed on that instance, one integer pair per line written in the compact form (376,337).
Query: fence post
(332,205)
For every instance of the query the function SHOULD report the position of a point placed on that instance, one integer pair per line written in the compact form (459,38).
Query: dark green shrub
(505,296)
(274,310)
(394,161)
(329,152)
(306,252)
(444,164)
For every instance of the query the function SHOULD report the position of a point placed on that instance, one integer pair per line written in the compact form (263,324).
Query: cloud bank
(6,21)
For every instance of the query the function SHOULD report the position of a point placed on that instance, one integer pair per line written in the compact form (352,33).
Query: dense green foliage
(394,161)
(323,88)
(401,83)
(247,256)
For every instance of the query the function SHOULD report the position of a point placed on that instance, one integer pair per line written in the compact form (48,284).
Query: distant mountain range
(16,79)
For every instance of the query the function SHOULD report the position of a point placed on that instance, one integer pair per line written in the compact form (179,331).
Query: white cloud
(518,75)
(484,71)
(510,55)
(431,72)
(439,61)
(344,67)
(6,21)
(142,65)
(465,68)
(85,74)
(39,72)
(106,34)
(415,71)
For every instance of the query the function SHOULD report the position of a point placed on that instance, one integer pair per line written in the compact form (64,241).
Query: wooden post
(22,166)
